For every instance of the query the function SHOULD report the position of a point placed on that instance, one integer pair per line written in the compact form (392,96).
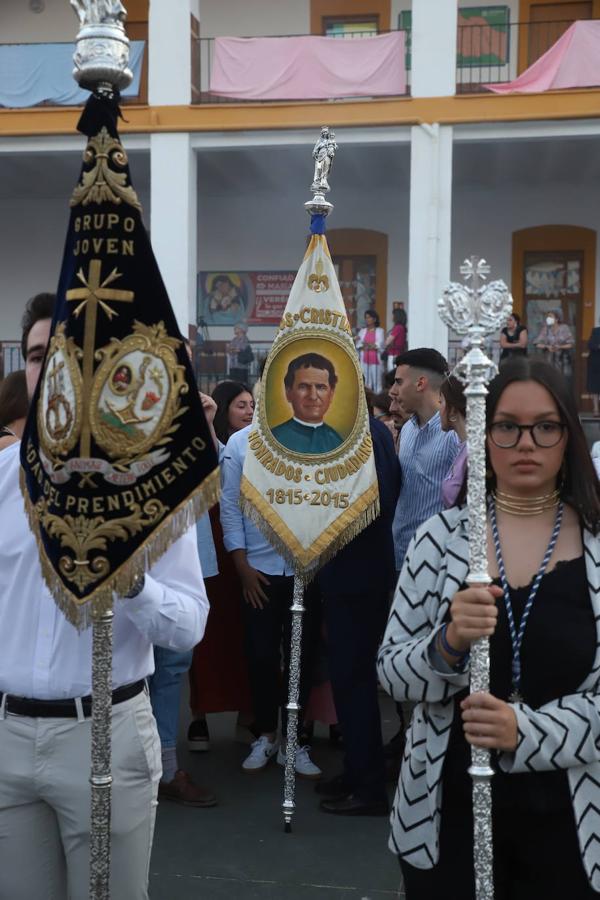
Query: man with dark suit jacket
(355,586)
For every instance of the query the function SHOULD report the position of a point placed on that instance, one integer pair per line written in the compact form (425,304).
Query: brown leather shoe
(183,790)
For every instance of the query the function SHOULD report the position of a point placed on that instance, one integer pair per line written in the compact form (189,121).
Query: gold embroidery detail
(81,611)
(102,183)
(306,561)
(94,293)
(59,412)
(318,282)
(135,397)
(83,535)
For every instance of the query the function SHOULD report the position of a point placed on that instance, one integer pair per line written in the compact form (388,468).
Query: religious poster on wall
(483,35)
(257,298)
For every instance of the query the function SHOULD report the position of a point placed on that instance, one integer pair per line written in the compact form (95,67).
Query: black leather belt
(64,709)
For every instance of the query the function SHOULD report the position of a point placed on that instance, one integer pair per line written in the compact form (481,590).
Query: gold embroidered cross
(93,294)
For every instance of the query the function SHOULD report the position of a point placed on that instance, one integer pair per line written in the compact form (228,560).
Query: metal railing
(495,54)
(211,364)
(140,98)
(203,58)
(10,357)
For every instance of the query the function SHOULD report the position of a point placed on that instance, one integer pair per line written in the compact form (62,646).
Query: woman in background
(14,405)
(219,676)
(395,342)
(453,410)
(369,342)
(513,339)
(555,341)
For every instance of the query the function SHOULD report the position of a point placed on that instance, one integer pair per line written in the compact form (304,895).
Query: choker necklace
(526,506)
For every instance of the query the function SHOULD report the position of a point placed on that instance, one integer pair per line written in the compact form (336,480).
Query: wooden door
(357,276)
(361,258)
(554,268)
(553,282)
(549,21)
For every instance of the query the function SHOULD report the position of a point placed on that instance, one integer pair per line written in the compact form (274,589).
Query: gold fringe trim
(81,612)
(314,242)
(307,561)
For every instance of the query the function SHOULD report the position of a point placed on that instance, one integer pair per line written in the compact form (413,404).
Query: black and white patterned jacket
(563,734)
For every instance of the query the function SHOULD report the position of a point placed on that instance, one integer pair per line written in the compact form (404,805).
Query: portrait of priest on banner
(310,383)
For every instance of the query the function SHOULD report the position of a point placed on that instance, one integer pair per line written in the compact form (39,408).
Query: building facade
(421,179)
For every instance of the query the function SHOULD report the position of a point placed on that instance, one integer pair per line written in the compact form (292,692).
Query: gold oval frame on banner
(347,414)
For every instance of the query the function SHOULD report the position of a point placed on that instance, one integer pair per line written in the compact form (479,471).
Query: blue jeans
(165,688)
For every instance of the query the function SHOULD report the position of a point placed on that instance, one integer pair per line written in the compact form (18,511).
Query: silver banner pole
(101,61)
(323,154)
(101,778)
(475,310)
(293,708)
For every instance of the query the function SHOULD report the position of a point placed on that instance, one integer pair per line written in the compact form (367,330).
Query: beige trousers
(45,804)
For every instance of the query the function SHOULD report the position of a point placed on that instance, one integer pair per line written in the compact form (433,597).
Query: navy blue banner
(117,456)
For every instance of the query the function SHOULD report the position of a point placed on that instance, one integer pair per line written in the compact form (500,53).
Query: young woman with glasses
(541,718)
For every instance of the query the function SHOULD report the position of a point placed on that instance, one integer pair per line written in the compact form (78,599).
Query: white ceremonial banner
(309,479)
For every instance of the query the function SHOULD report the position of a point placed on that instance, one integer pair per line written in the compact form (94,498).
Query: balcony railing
(10,357)
(494,54)
(202,65)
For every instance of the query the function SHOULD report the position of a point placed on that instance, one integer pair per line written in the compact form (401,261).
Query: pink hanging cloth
(308,67)
(572,62)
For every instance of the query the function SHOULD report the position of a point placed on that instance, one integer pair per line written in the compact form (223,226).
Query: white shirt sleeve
(172,608)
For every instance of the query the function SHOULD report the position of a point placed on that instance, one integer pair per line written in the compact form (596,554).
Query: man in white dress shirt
(45,683)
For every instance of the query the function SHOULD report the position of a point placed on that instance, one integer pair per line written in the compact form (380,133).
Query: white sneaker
(304,764)
(262,750)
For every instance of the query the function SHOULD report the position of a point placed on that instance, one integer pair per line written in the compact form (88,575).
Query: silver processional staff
(476,309)
(101,61)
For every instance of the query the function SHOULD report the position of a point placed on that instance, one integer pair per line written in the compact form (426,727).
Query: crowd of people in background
(543,726)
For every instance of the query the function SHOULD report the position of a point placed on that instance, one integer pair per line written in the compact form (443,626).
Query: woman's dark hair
(224,394)
(14,402)
(374,315)
(453,391)
(389,378)
(580,487)
(398,316)
(382,401)
(516,317)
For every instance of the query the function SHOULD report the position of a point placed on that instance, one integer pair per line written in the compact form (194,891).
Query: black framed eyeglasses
(543,434)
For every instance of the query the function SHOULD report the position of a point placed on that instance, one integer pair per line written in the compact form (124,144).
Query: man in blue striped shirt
(426,452)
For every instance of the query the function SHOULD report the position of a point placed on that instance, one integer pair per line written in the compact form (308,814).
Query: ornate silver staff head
(475,309)
(323,154)
(102,51)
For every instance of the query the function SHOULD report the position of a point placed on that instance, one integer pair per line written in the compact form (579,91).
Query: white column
(174,220)
(170,51)
(433,53)
(430,233)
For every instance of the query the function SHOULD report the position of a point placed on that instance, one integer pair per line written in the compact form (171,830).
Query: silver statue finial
(99,12)
(323,154)
(102,53)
